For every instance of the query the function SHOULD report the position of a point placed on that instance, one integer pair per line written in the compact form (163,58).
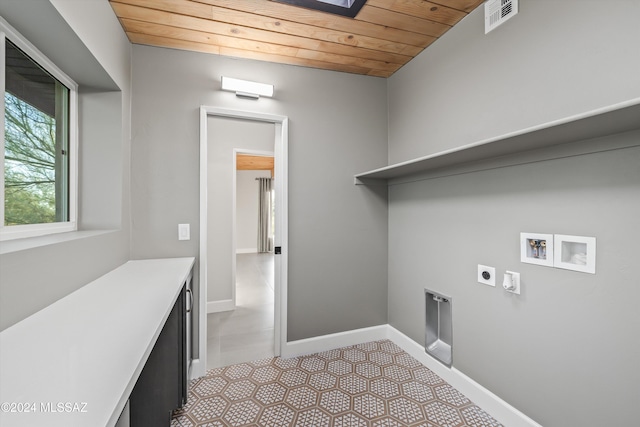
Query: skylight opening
(341,3)
(349,8)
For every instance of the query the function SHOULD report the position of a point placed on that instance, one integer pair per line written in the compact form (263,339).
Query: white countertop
(87,350)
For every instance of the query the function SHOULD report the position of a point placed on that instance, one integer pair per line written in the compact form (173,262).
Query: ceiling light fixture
(348,8)
(246,89)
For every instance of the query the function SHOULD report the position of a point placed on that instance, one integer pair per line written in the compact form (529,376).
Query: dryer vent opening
(438,327)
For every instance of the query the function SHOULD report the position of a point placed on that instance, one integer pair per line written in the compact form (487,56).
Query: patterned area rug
(375,384)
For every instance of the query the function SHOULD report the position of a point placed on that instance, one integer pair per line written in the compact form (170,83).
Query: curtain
(265,244)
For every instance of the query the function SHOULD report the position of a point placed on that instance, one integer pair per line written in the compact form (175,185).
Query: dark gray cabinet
(162,385)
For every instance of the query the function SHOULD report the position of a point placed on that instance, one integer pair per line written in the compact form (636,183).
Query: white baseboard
(221,305)
(247,251)
(340,339)
(198,369)
(489,402)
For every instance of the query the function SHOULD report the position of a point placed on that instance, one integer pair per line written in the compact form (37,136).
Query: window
(38,142)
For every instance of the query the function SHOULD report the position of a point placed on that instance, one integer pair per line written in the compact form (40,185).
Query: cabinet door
(159,389)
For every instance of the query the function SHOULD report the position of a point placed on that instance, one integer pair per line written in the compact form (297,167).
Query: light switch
(184,232)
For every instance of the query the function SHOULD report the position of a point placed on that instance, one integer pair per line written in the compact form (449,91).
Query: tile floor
(247,332)
(374,384)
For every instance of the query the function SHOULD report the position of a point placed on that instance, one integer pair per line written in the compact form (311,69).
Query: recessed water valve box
(576,253)
(536,248)
(439,327)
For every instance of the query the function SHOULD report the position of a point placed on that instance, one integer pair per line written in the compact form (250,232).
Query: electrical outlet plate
(491,281)
(184,232)
(516,282)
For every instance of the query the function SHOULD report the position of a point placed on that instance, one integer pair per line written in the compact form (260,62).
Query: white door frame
(281,233)
(234,231)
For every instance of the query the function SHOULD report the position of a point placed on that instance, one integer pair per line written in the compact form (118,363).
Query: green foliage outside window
(30,164)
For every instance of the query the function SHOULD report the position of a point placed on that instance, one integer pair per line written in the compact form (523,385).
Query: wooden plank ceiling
(384,36)
(248,162)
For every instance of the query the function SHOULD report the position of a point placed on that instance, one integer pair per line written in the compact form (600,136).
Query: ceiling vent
(496,12)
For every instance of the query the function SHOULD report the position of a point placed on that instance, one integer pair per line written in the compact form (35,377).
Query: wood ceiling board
(248,162)
(148,40)
(287,26)
(139,27)
(179,7)
(422,9)
(390,18)
(386,34)
(291,26)
(341,59)
(129,15)
(320,19)
(205,38)
(464,5)
(275,31)
(302,62)
(151,40)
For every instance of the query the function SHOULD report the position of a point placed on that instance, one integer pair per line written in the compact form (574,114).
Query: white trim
(220,305)
(199,369)
(16,245)
(34,230)
(3,53)
(281,235)
(281,232)
(337,340)
(197,366)
(234,184)
(489,402)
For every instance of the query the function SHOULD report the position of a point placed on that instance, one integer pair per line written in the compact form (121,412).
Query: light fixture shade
(246,88)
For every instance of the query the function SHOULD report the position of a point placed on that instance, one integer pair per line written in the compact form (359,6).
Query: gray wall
(554,59)
(36,272)
(337,231)
(565,351)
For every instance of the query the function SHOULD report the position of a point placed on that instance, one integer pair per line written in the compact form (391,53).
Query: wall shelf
(613,119)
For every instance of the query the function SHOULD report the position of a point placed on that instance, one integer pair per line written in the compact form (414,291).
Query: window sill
(9,246)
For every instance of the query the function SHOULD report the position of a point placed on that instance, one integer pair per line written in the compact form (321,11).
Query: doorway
(247,332)
(217,297)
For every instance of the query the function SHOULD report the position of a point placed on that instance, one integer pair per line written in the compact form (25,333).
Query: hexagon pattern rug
(375,384)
